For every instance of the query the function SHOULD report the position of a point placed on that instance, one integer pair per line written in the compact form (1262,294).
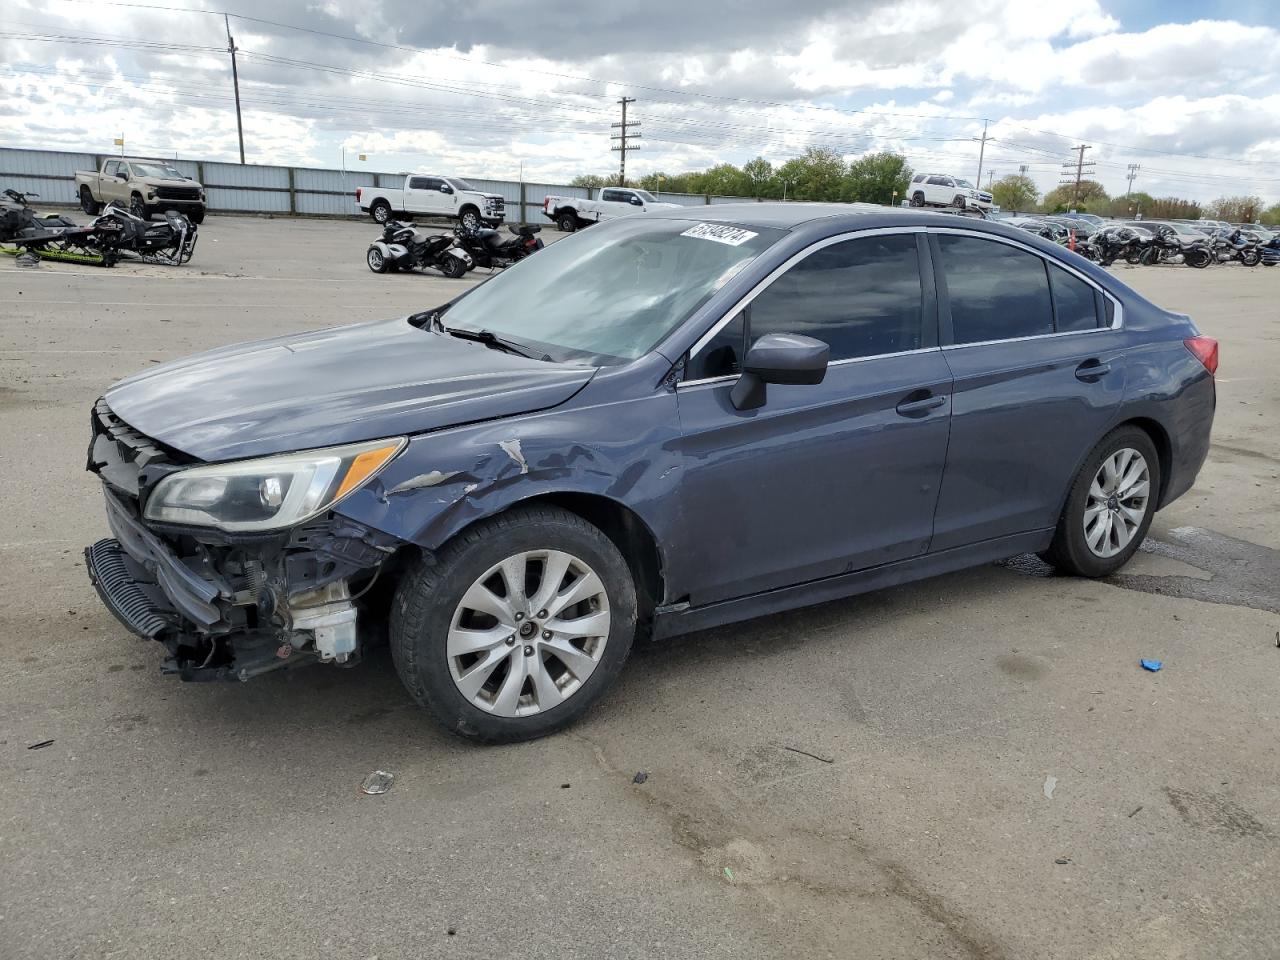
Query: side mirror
(445,188)
(636,201)
(783,358)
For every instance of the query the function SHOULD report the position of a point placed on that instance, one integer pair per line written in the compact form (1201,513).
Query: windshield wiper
(491,339)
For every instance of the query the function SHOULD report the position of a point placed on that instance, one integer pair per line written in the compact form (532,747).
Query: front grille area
(177,193)
(121,456)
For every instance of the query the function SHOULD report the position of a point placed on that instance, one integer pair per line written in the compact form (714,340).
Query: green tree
(1135,204)
(1172,208)
(876,178)
(759,173)
(1272,215)
(1015,192)
(817,174)
(1092,198)
(590,180)
(1236,209)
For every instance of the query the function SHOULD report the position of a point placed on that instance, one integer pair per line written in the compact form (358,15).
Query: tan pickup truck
(144,186)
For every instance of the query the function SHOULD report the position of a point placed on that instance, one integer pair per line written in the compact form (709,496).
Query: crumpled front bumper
(157,596)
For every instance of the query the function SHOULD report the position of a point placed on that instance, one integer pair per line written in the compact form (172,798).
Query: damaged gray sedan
(669,422)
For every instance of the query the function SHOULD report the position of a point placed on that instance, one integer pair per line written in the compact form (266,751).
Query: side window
(919,178)
(939,181)
(612,195)
(863,297)
(1074,304)
(722,354)
(422,183)
(997,291)
(110,167)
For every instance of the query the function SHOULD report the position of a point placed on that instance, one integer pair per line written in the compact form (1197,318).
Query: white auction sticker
(720,233)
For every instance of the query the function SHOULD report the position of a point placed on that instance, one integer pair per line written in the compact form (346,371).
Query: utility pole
(235,79)
(982,149)
(624,138)
(991,178)
(1023,168)
(1132,175)
(1080,172)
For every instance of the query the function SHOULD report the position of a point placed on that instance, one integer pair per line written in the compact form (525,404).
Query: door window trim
(1117,319)
(927,290)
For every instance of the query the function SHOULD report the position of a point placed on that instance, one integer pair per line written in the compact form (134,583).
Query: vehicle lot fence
(304,191)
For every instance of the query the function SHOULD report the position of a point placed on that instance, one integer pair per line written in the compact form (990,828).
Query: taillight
(359,190)
(1205,350)
(546,202)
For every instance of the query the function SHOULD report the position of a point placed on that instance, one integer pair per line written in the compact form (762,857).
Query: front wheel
(1250,258)
(917,199)
(88,205)
(196,216)
(1199,259)
(137,207)
(516,627)
(453,267)
(376,260)
(958,202)
(471,219)
(1109,506)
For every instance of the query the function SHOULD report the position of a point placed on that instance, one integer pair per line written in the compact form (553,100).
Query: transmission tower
(1081,168)
(625,139)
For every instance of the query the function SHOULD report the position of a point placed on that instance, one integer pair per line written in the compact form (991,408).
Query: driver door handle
(1092,370)
(920,406)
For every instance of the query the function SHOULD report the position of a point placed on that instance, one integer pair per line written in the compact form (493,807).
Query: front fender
(625,451)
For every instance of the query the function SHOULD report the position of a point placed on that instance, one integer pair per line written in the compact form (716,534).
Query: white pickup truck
(431,196)
(570,213)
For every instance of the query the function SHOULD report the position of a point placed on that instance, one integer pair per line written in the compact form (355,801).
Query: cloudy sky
(1190,91)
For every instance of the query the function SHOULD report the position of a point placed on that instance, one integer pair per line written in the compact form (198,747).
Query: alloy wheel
(528,633)
(1117,504)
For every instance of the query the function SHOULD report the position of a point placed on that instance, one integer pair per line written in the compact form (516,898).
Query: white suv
(942,190)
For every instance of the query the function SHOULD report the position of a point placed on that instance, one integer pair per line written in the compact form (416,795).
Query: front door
(823,479)
(1039,374)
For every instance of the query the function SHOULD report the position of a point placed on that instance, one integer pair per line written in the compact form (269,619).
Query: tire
(1133,256)
(88,205)
(1268,263)
(958,202)
(567,221)
(1198,259)
(137,207)
(380,211)
(453,268)
(917,199)
(469,217)
(429,607)
(197,216)
(376,261)
(1071,552)
(1250,258)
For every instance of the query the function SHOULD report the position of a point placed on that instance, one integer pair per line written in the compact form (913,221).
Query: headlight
(269,493)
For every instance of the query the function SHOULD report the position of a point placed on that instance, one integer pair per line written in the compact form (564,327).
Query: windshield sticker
(720,233)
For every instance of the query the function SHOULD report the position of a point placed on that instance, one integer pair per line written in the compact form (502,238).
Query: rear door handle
(1092,370)
(922,405)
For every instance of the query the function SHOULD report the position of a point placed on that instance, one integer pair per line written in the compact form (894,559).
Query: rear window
(997,291)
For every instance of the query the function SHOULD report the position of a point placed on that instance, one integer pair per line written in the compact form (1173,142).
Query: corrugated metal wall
(251,188)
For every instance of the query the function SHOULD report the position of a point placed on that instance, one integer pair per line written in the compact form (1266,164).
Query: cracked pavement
(171,820)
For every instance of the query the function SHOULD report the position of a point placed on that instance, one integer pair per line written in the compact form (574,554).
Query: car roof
(791,215)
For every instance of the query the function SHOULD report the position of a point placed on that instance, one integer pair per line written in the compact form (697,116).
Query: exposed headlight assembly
(269,493)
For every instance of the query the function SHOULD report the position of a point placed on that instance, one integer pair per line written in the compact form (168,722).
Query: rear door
(823,479)
(1036,353)
(420,196)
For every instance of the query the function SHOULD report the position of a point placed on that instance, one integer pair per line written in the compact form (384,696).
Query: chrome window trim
(730,377)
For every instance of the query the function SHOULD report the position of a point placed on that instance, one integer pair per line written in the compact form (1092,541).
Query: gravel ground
(973,766)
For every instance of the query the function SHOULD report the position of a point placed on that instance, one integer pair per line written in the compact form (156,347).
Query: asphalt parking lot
(970,767)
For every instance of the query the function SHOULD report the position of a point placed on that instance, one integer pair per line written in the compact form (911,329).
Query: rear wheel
(1197,258)
(516,627)
(1250,258)
(380,211)
(917,199)
(87,203)
(567,221)
(1109,507)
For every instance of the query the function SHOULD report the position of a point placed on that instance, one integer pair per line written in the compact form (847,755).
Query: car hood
(341,385)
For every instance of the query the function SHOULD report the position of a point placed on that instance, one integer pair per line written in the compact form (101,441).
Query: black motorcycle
(489,248)
(169,241)
(401,247)
(1237,245)
(1111,243)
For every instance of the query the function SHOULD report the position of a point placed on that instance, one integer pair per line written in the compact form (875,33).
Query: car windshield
(460,184)
(646,196)
(964,183)
(613,293)
(155,170)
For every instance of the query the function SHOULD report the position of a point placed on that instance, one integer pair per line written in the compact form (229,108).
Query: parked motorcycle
(169,241)
(401,247)
(1167,247)
(488,248)
(1270,251)
(1237,245)
(1111,243)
